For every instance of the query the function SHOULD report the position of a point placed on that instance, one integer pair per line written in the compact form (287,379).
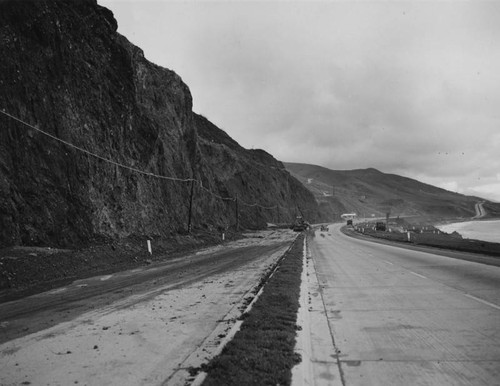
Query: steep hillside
(131,150)
(264,188)
(370,192)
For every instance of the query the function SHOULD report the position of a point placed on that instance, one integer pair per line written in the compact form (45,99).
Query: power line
(215,194)
(135,169)
(96,155)
(258,205)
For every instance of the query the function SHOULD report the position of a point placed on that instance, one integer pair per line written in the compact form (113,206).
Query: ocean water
(478,230)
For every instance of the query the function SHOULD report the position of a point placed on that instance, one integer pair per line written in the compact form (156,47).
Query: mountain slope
(370,192)
(65,70)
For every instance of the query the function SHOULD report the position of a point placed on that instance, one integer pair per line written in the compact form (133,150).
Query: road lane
(402,316)
(468,276)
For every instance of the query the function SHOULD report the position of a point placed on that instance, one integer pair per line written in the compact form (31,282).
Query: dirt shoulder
(29,270)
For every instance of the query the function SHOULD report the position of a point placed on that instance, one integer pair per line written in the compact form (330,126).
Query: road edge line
(323,364)
(303,372)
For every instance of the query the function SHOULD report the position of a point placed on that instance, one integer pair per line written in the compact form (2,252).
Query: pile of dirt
(28,270)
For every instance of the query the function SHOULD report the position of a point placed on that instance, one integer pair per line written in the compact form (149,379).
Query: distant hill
(370,192)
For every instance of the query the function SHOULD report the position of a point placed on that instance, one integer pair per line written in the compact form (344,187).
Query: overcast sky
(411,88)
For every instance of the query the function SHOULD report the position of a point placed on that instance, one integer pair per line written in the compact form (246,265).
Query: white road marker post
(149,247)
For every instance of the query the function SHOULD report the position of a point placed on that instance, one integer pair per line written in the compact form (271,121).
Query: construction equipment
(300,224)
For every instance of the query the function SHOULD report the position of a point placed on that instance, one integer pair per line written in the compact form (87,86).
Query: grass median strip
(262,351)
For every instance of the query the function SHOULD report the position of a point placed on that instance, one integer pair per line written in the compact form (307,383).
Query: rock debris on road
(141,333)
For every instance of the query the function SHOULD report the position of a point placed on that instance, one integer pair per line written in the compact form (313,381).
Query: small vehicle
(300,224)
(323,228)
(380,226)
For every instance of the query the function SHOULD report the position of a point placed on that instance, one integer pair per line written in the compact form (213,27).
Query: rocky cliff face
(264,189)
(66,71)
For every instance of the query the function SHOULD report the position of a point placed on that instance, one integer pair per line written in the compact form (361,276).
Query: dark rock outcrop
(66,71)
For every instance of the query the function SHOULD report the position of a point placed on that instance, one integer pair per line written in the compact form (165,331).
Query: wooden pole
(237,215)
(190,206)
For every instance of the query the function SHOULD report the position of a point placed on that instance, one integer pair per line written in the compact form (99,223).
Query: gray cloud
(407,87)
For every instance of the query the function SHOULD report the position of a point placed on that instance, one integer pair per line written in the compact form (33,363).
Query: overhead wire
(97,155)
(133,169)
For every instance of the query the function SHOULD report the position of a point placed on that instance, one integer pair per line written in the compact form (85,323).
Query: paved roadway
(480,212)
(405,317)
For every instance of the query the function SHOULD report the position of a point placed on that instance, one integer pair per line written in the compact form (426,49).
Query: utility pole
(190,206)
(237,214)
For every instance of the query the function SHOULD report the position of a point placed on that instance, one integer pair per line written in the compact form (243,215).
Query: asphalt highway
(398,316)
